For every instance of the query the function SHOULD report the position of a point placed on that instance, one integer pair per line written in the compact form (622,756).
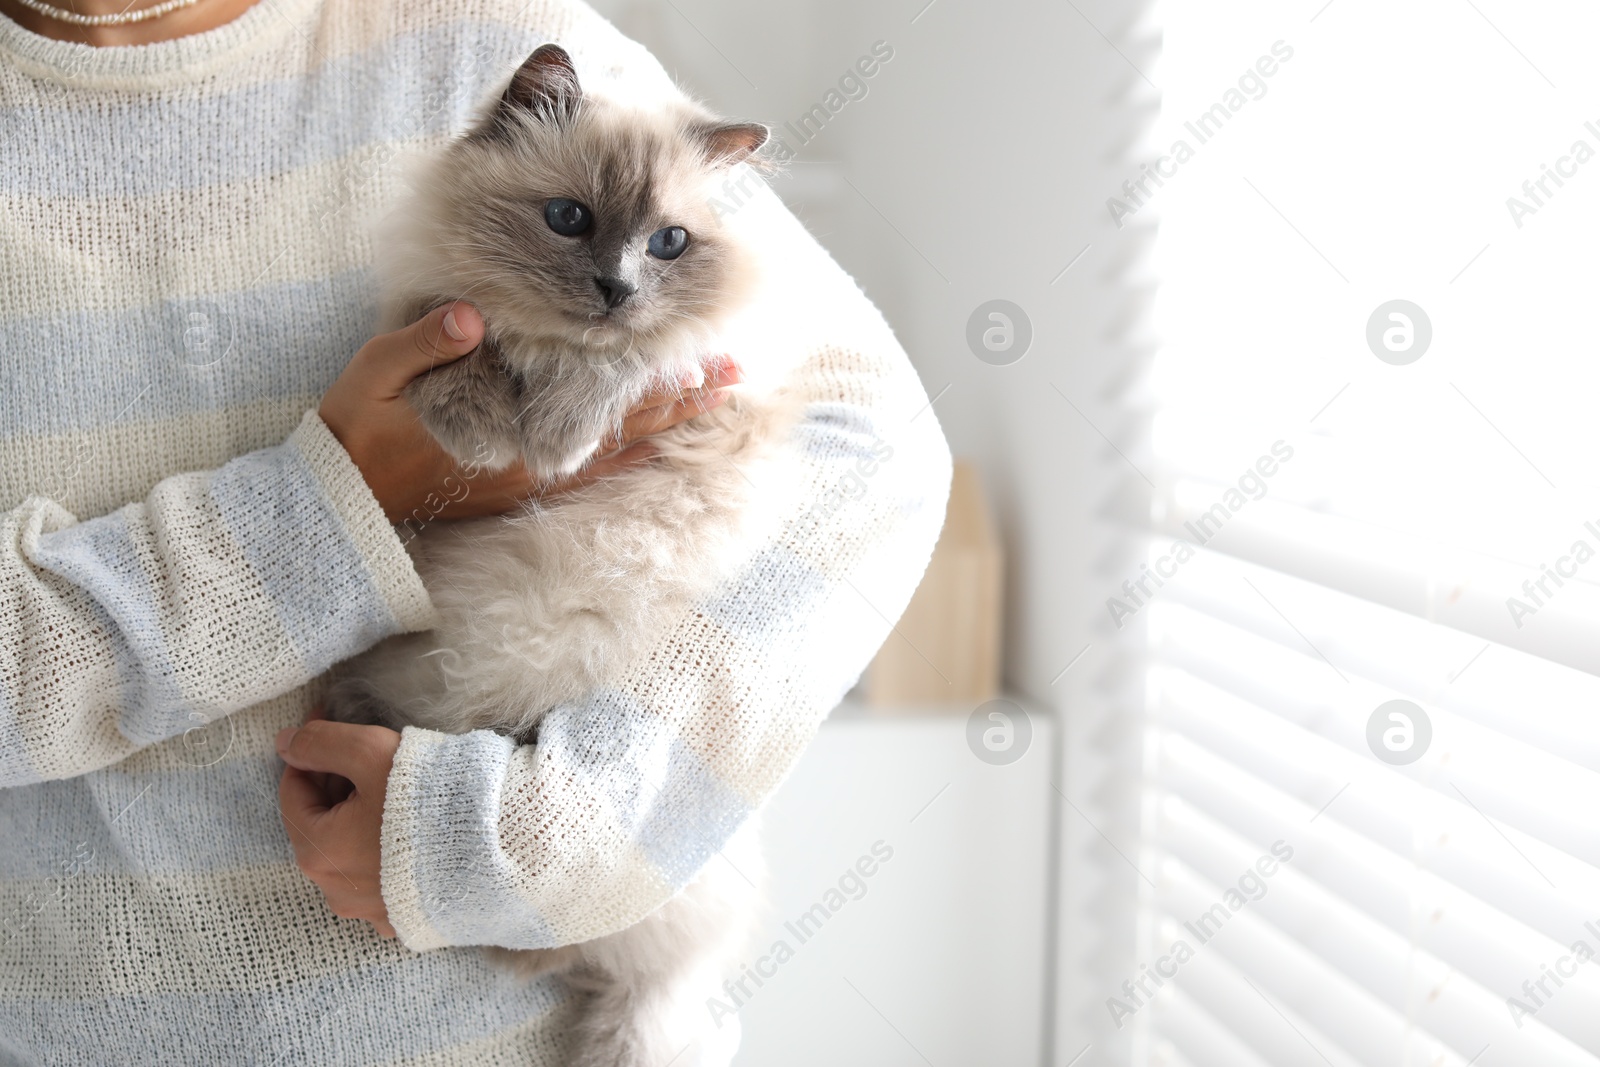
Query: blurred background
(1247,714)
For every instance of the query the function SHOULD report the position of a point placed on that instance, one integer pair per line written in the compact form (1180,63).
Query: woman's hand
(405,468)
(331,799)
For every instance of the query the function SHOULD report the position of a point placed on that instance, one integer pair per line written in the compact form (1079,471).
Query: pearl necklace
(121,18)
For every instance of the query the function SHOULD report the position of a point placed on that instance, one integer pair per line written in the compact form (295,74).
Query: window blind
(1371,443)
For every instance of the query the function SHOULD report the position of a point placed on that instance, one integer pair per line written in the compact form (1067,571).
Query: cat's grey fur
(552,603)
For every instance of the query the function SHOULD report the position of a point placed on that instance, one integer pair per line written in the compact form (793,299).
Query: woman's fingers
(331,786)
(405,468)
(443,335)
(300,800)
(365,411)
(646,421)
(720,372)
(499,491)
(362,754)
(664,409)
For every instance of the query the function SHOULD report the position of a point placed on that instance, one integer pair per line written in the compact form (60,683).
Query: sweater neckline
(143,66)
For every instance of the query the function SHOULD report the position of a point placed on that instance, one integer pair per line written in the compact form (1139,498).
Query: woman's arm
(224,588)
(218,590)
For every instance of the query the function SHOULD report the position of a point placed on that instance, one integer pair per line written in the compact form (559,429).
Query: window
(1371,785)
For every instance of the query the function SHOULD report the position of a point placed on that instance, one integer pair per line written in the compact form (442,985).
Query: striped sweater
(185,548)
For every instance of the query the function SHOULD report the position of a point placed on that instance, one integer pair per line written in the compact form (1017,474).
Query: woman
(202,487)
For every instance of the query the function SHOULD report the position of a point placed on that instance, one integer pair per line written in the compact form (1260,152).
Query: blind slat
(1252,1013)
(1203,1039)
(1377,826)
(1537,701)
(1456,949)
(1409,574)
(1465,765)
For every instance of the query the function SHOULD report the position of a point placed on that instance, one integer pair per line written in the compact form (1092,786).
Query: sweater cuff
(444,877)
(369,529)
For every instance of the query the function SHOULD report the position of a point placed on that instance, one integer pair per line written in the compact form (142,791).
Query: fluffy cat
(586,232)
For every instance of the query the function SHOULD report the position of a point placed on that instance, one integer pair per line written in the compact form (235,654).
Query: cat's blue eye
(568,217)
(669,243)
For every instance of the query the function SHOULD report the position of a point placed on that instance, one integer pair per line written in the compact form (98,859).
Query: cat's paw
(470,407)
(551,461)
(561,428)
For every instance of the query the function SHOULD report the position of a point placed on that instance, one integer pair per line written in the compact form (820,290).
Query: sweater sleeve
(627,793)
(219,590)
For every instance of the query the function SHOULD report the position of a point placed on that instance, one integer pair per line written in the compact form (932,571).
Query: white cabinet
(937,956)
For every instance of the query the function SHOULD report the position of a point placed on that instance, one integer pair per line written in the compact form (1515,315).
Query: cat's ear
(546,84)
(729,143)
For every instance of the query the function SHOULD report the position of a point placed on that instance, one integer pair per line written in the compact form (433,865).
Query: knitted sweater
(184,548)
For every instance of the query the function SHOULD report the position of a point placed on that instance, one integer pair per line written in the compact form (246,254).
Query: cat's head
(590,234)
(573,219)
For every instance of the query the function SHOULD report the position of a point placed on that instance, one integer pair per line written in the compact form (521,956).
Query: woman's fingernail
(453,328)
(285,736)
(727,373)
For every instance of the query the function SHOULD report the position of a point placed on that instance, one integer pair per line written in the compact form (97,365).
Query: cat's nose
(615,290)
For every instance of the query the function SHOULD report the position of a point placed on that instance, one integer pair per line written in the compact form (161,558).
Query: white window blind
(1335,528)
